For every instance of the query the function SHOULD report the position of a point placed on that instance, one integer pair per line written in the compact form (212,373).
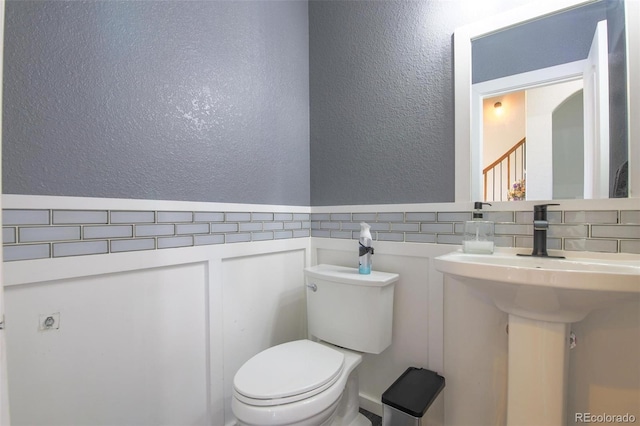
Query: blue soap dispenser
(366,251)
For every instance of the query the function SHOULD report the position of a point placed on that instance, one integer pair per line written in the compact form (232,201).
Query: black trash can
(408,398)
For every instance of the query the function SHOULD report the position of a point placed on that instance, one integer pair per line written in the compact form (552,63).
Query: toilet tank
(348,309)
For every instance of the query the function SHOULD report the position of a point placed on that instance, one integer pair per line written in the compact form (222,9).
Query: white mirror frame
(465,151)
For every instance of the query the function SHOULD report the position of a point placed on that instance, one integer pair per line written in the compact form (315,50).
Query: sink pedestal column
(537,372)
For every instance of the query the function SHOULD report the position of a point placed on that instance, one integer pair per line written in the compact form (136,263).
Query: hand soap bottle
(366,251)
(478,233)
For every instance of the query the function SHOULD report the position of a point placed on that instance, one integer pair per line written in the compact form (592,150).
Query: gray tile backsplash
(195,228)
(173,242)
(102,231)
(173,217)
(405,227)
(390,217)
(629,246)
(224,227)
(68,217)
(132,217)
(584,244)
(108,231)
(238,217)
(8,235)
(420,217)
(132,245)
(283,235)
(256,217)
(202,240)
(419,238)
(591,217)
(454,216)
(25,252)
(615,231)
(608,231)
(154,230)
(366,217)
(50,233)
(237,238)
(36,234)
(250,226)
(437,228)
(25,217)
(80,248)
(630,216)
(283,216)
(208,217)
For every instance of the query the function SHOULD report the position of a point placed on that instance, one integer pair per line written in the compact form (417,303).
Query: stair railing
(500,174)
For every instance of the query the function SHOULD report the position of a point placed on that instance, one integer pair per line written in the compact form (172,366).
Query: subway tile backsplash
(26,217)
(26,252)
(62,217)
(40,233)
(80,248)
(609,231)
(132,245)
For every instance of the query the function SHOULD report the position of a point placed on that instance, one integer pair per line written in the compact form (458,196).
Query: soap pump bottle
(366,251)
(478,233)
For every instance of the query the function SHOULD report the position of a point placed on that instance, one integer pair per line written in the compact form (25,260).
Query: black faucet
(540,226)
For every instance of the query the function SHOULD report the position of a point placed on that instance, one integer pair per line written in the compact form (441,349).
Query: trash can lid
(414,391)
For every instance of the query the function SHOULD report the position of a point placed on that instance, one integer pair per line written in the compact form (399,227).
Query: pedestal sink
(542,297)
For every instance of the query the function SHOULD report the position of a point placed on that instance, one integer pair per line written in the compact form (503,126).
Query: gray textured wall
(381,89)
(210,101)
(178,100)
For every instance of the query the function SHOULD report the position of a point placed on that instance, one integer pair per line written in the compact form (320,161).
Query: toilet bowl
(301,383)
(314,382)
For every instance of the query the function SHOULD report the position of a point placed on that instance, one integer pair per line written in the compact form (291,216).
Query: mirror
(493,74)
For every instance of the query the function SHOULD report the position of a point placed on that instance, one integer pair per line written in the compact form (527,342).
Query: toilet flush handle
(313,287)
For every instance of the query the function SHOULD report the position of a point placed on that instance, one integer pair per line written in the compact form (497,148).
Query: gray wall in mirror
(618,114)
(173,100)
(554,40)
(558,39)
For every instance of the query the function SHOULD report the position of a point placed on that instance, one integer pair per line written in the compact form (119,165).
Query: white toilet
(309,383)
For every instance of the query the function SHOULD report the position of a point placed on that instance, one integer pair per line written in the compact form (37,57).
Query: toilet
(314,382)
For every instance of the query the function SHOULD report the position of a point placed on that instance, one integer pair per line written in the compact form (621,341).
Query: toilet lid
(288,369)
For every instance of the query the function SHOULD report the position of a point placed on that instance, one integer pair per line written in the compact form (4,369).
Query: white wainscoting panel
(147,338)
(131,348)
(263,300)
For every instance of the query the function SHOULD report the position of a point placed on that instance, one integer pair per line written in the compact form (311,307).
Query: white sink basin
(542,296)
(547,289)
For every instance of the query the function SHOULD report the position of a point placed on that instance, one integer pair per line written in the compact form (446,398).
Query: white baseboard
(371,404)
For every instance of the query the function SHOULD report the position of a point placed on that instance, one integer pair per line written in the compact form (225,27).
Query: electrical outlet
(49,322)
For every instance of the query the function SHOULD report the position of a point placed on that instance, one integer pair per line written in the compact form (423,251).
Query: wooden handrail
(505,155)
(498,162)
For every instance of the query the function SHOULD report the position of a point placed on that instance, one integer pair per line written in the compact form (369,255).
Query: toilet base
(348,411)
(360,420)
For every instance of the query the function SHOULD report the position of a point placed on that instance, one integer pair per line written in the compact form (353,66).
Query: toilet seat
(288,373)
